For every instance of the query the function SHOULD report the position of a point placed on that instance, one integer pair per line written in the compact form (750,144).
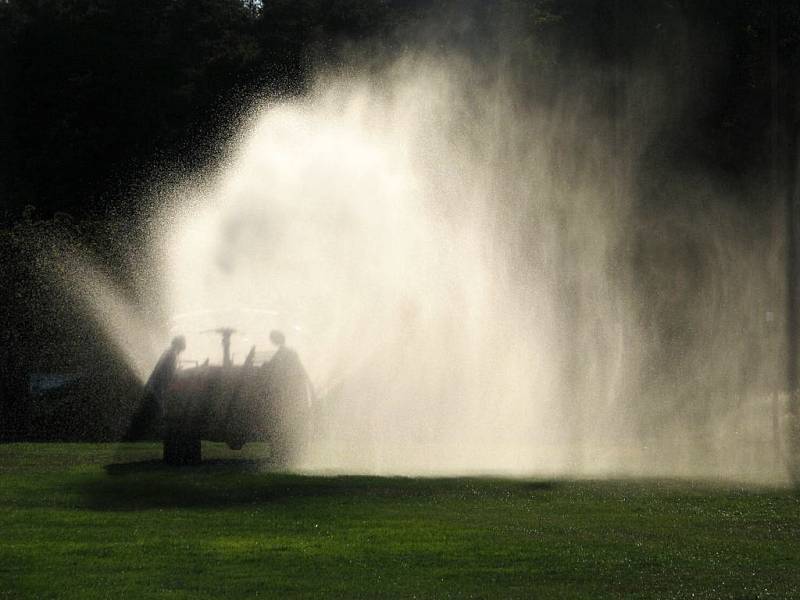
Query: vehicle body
(234,404)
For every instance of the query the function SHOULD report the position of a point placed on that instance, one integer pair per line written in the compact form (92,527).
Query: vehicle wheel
(181,451)
(236,445)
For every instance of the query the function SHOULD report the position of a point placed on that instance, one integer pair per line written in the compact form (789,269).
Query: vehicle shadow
(224,483)
(230,465)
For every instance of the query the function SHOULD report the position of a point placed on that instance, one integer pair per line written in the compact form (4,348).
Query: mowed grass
(107,521)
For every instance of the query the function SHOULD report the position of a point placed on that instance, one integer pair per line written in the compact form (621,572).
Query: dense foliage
(99,97)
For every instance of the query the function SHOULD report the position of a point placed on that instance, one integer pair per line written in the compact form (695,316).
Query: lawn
(108,521)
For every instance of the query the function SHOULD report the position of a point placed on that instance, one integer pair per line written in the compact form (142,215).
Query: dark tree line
(96,94)
(99,96)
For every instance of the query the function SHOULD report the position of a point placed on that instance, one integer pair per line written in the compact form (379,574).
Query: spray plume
(473,281)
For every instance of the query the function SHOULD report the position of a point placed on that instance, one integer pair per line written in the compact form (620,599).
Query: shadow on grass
(227,465)
(226,483)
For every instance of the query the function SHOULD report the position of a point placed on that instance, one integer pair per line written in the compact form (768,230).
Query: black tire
(180,451)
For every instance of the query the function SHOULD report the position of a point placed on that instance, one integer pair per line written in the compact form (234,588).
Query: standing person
(147,423)
(289,395)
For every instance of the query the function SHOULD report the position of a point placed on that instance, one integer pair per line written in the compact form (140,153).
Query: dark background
(104,102)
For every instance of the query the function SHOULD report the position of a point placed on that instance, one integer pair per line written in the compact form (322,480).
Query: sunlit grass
(74,527)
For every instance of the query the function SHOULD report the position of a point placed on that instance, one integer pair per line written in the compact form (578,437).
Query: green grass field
(106,521)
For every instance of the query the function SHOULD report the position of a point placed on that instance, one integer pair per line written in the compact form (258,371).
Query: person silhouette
(289,394)
(147,423)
